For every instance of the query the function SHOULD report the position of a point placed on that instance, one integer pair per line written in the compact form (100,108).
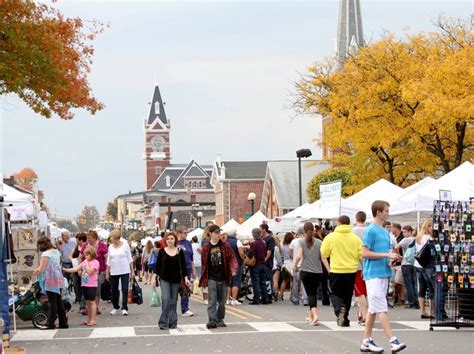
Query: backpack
(409,255)
(152,260)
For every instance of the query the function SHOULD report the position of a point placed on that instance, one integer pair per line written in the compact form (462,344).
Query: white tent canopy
(244,231)
(23,207)
(317,211)
(298,211)
(196,232)
(362,200)
(230,226)
(460,182)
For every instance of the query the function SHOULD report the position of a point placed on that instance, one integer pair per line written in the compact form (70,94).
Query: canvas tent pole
(3,267)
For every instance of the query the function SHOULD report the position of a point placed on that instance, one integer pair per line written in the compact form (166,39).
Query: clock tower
(157,154)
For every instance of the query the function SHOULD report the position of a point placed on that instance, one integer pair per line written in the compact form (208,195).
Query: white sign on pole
(330,196)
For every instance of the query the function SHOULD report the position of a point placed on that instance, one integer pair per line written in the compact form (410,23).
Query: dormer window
(168,181)
(157,107)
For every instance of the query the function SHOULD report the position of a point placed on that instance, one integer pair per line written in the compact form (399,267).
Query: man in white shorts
(377,272)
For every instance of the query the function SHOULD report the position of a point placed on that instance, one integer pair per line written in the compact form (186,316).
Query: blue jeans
(237,280)
(114,285)
(295,290)
(425,282)
(409,278)
(169,301)
(217,291)
(258,274)
(185,300)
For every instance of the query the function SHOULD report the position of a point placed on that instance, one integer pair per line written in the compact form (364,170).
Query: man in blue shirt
(185,246)
(377,272)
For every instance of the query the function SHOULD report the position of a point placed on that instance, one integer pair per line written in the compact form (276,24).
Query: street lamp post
(199,215)
(175,222)
(302,153)
(251,198)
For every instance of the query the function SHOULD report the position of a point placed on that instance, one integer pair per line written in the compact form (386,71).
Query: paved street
(275,328)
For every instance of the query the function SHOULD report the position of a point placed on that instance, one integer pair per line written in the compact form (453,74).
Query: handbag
(184,290)
(130,297)
(423,256)
(137,293)
(155,298)
(409,255)
(196,288)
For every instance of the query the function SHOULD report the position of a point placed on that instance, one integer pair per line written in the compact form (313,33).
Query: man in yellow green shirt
(344,248)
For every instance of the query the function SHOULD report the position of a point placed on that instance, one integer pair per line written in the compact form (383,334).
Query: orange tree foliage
(26,178)
(399,108)
(45,58)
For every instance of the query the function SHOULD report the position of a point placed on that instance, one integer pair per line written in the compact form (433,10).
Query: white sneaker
(235,303)
(114,312)
(396,346)
(188,314)
(206,302)
(228,302)
(369,346)
(124,313)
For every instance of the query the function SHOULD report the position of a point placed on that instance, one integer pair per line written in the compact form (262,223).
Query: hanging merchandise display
(452,249)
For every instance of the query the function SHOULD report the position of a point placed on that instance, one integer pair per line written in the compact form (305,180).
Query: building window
(157,170)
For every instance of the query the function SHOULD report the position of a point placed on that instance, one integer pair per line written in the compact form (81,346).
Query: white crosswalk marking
(200,329)
(112,332)
(273,327)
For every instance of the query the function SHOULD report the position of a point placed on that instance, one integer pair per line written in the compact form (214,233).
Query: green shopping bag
(155,298)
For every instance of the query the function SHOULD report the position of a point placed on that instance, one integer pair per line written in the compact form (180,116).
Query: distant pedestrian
(345,250)
(267,237)
(376,251)
(360,290)
(119,269)
(187,249)
(234,287)
(146,255)
(170,270)
(218,267)
(258,250)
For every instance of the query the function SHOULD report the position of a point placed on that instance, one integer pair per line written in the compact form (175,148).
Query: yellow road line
(246,313)
(232,309)
(197,299)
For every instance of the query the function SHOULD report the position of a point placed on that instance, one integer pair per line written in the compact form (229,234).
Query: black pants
(342,287)
(56,309)
(311,283)
(324,288)
(114,284)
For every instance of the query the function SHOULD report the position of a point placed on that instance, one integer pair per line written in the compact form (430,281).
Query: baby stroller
(33,306)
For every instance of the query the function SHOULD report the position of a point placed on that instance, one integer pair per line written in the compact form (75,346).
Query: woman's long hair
(424,230)
(309,232)
(149,246)
(288,238)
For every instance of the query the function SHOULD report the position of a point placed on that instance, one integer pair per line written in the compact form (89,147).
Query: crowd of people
(317,263)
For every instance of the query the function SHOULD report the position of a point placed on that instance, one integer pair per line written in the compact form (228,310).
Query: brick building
(232,182)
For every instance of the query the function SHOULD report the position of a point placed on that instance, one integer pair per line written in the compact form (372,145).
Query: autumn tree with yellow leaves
(399,109)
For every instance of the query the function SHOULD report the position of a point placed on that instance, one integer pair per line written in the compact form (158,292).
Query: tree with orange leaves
(45,58)
(26,178)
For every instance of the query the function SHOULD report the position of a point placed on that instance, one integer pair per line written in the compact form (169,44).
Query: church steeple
(349,29)
(157,108)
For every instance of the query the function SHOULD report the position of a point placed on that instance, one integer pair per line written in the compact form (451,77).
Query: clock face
(157,144)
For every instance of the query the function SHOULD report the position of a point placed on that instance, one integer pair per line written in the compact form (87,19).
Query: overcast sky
(225,71)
